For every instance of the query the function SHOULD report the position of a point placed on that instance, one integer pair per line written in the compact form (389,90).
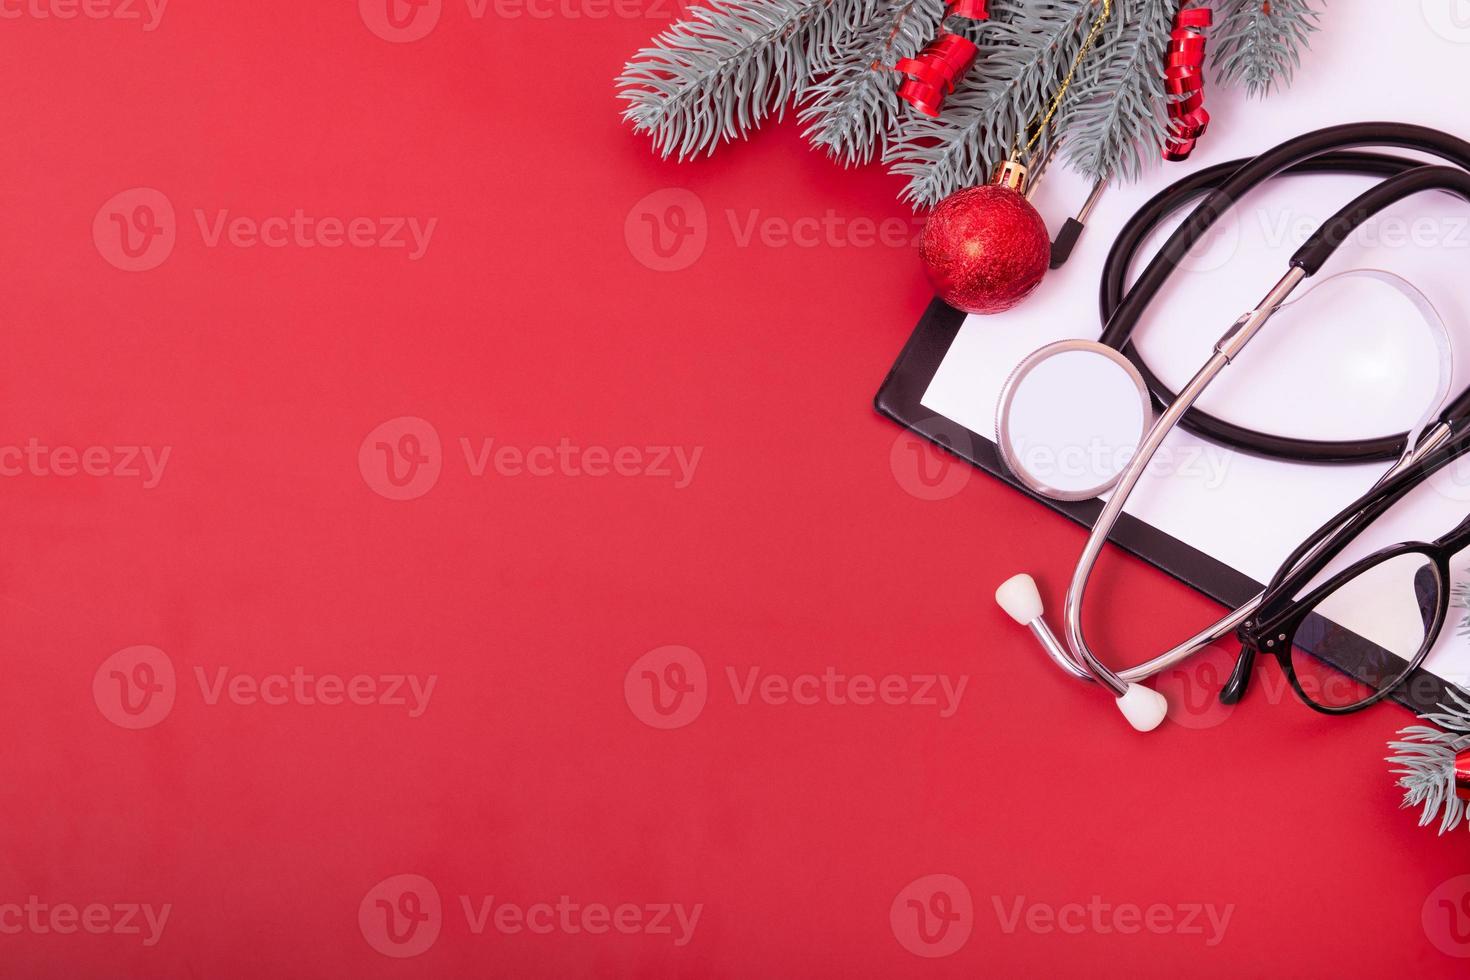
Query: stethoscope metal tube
(1226,349)
(1226,625)
(1144,708)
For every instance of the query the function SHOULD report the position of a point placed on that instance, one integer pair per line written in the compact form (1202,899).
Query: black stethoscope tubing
(1329,150)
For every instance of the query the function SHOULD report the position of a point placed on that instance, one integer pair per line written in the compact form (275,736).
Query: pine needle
(851,111)
(1118,117)
(717,75)
(1259,42)
(1025,50)
(1426,763)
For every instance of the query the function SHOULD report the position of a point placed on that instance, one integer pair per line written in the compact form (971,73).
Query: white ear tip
(1144,707)
(1020,598)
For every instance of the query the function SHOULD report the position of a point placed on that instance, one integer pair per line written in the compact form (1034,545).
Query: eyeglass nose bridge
(1268,634)
(1256,637)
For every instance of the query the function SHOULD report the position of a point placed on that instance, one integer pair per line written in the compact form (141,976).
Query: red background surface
(796,547)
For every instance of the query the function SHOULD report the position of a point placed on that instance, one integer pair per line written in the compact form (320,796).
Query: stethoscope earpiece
(1018,595)
(1144,707)
(1020,598)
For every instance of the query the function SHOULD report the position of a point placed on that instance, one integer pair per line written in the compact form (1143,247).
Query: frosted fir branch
(719,74)
(1425,758)
(1025,50)
(852,109)
(1118,117)
(1259,42)
(1460,598)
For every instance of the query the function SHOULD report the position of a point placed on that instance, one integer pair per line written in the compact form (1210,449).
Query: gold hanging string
(1056,102)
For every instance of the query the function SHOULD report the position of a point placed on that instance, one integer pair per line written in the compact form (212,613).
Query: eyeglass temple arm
(1329,540)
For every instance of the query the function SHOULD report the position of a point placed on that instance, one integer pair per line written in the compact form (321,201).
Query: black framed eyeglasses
(1356,637)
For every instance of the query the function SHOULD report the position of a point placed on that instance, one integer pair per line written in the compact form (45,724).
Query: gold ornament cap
(1012,174)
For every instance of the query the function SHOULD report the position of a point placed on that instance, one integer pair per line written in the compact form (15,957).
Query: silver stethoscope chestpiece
(1070,417)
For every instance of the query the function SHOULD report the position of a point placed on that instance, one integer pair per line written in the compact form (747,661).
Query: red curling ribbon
(969,9)
(932,73)
(1184,81)
(1462,774)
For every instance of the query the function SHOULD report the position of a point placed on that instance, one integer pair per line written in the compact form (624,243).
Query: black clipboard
(900,399)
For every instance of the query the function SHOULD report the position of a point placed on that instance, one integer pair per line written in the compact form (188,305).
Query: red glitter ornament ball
(985,249)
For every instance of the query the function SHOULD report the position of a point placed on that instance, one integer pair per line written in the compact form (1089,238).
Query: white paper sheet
(1352,364)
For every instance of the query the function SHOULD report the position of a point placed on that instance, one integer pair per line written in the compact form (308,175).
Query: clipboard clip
(1066,239)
